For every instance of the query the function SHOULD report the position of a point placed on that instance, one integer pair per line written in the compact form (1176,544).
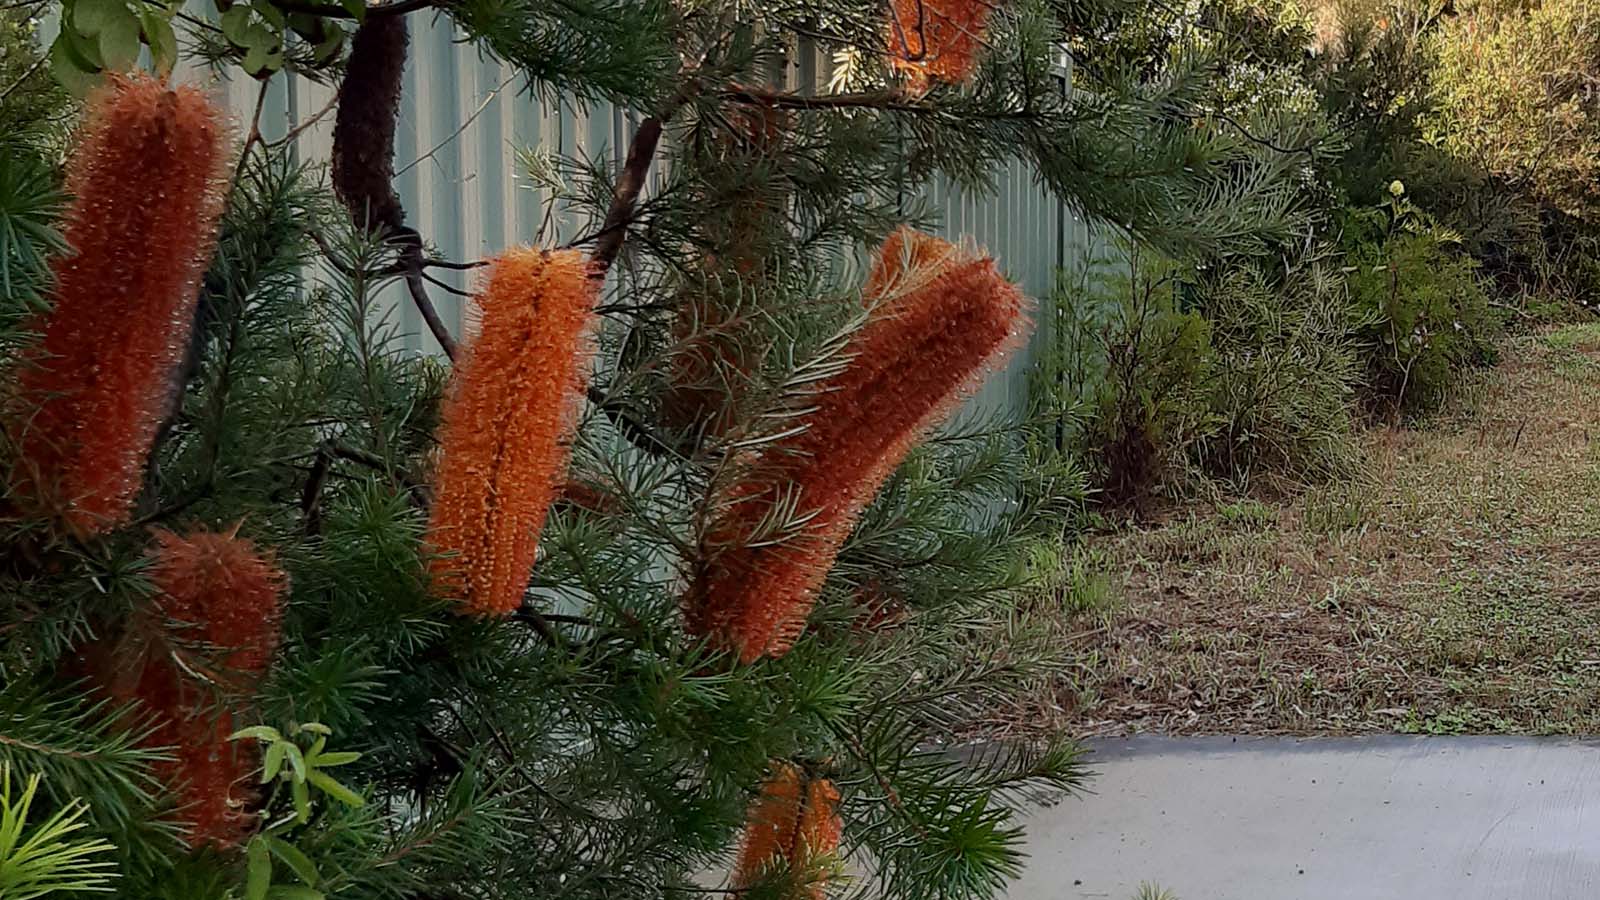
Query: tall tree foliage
(310,709)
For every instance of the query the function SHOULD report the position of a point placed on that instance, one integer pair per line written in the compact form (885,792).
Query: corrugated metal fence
(464,118)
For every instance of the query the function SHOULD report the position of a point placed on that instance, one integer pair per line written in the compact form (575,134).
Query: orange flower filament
(932,329)
(147,187)
(794,823)
(937,40)
(506,427)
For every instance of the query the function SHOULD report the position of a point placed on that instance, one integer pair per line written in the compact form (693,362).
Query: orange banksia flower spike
(794,823)
(209,641)
(937,40)
(506,427)
(147,182)
(933,327)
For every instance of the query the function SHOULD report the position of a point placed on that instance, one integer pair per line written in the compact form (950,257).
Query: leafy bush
(1157,371)
(1284,369)
(1514,92)
(1131,364)
(1423,312)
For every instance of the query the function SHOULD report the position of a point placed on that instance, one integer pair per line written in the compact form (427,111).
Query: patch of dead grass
(1454,588)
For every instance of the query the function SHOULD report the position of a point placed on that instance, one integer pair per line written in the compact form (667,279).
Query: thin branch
(541,626)
(637,432)
(311,497)
(462,127)
(448,287)
(890,100)
(641,152)
(411,257)
(37,65)
(296,131)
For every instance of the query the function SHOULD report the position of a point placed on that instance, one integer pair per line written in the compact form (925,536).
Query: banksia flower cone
(215,628)
(220,591)
(506,426)
(363,129)
(147,188)
(937,40)
(932,329)
(794,823)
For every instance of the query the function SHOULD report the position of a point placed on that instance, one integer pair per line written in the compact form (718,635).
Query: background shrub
(1132,365)
(1423,313)
(1283,371)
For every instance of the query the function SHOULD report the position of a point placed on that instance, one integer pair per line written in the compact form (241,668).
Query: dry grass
(1455,589)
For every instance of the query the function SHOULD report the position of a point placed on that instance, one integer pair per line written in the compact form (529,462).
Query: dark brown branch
(411,255)
(890,99)
(630,182)
(615,229)
(541,626)
(311,497)
(637,433)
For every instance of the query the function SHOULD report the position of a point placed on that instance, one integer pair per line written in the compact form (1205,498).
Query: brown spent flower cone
(91,395)
(930,334)
(363,128)
(792,824)
(506,427)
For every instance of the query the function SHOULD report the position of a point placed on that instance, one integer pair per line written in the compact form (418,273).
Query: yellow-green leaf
(302,801)
(258,870)
(70,69)
(303,867)
(163,42)
(119,41)
(259,732)
(90,16)
(334,789)
(272,763)
(295,892)
(337,758)
(235,25)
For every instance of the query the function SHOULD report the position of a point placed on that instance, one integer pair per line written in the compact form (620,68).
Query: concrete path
(1386,818)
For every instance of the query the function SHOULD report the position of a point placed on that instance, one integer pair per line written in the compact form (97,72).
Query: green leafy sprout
(297,762)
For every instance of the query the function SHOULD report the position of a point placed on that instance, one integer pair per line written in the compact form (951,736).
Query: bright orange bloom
(793,823)
(506,428)
(928,336)
(189,666)
(147,186)
(937,40)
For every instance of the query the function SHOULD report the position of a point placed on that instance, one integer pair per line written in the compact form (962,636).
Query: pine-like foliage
(706,382)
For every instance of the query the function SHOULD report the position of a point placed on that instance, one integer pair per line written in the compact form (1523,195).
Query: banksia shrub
(928,336)
(204,644)
(363,129)
(793,824)
(506,426)
(147,188)
(937,40)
